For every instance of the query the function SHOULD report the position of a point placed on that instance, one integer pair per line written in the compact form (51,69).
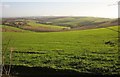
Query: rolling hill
(77,21)
(85,51)
(61,44)
(54,24)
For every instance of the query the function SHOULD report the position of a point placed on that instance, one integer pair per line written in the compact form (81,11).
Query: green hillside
(94,50)
(74,22)
(33,26)
(12,29)
(56,24)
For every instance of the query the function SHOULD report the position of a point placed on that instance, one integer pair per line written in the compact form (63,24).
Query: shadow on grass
(23,71)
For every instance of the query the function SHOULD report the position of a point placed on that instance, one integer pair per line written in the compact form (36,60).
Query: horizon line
(58,16)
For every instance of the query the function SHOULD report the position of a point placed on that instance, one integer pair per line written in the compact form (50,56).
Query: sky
(93,8)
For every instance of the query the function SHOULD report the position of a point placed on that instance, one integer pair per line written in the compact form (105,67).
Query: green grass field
(33,26)
(32,23)
(94,50)
(79,21)
(12,29)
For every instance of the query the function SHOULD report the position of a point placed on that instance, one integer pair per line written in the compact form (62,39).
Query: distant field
(12,29)
(94,50)
(33,26)
(57,24)
(45,26)
(75,22)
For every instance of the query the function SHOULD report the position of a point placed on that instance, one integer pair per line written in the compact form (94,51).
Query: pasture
(93,50)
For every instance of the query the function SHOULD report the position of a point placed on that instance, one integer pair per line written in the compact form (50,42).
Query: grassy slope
(42,27)
(65,23)
(45,26)
(79,21)
(83,51)
(12,29)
